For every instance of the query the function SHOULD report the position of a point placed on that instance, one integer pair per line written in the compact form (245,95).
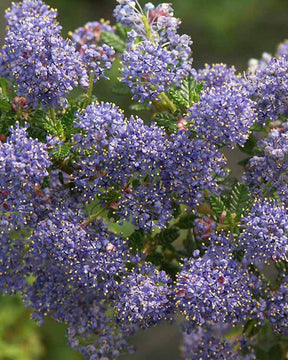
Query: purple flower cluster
(265,237)
(44,65)
(205,344)
(97,60)
(124,155)
(23,166)
(143,164)
(96,57)
(20,11)
(149,69)
(157,57)
(76,272)
(223,115)
(218,75)
(90,33)
(191,166)
(282,49)
(214,288)
(267,175)
(278,308)
(145,297)
(268,86)
(153,21)
(57,251)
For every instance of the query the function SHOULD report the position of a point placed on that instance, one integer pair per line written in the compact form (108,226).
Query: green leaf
(257,127)
(113,40)
(120,88)
(190,90)
(187,94)
(61,152)
(68,121)
(249,146)
(189,242)
(7,119)
(186,221)
(4,85)
(56,129)
(137,239)
(177,98)
(167,120)
(121,30)
(4,104)
(156,258)
(167,236)
(217,205)
(239,198)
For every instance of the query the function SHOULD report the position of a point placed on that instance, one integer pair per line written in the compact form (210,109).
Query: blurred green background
(230,31)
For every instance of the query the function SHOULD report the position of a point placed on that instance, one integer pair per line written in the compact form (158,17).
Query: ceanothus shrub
(112,224)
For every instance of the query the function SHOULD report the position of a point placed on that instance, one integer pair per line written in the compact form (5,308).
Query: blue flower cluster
(23,166)
(205,344)
(218,75)
(90,33)
(268,86)
(157,57)
(96,219)
(145,297)
(278,308)
(265,238)
(149,69)
(45,66)
(96,57)
(225,113)
(267,175)
(75,271)
(214,288)
(143,164)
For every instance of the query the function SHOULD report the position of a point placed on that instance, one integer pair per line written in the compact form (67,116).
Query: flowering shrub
(111,224)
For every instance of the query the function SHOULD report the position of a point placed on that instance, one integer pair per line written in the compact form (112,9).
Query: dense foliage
(111,224)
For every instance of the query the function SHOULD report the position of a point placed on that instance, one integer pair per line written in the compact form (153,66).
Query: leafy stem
(170,105)
(93,217)
(90,90)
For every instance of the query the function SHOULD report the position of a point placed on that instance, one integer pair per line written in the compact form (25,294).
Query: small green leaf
(113,40)
(121,30)
(61,152)
(167,236)
(189,242)
(167,120)
(156,258)
(186,221)
(249,146)
(136,240)
(5,105)
(187,94)
(217,205)
(257,127)
(239,198)
(177,98)
(190,90)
